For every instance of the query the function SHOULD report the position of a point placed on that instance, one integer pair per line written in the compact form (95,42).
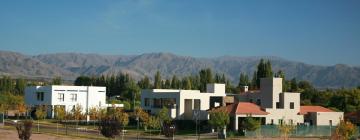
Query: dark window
(280,121)
(61,97)
(330,122)
(291,105)
(40,96)
(277,104)
(147,102)
(272,121)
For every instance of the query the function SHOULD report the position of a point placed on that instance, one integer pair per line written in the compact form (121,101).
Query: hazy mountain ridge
(70,65)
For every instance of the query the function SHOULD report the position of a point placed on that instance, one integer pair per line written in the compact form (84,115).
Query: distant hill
(71,65)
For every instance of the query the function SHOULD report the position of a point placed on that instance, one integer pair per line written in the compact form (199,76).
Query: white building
(66,96)
(184,104)
(273,106)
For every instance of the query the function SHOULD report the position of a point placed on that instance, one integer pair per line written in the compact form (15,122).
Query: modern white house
(184,104)
(67,97)
(273,106)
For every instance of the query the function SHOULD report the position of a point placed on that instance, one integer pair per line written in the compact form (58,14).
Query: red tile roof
(307,109)
(245,108)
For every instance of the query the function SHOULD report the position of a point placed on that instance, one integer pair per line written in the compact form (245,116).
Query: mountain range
(71,65)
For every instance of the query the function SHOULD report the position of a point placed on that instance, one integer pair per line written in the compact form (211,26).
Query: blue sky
(324,32)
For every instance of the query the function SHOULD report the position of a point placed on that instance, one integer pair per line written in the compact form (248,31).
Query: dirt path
(12,135)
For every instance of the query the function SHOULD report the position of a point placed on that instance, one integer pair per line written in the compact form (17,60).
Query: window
(272,121)
(258,102)
(197,104)
(157,103)
(74,97)
(330,122)
(280,121)
(40,96)
(291,105)
(147,102)
(277,104)
(61,97)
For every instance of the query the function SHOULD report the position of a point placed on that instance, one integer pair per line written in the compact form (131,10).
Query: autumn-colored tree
(141,115)
(285,129)
(40,114)
(123,119)
(77,114)
(59,115)
(22,109)
(344,131)
(93,113)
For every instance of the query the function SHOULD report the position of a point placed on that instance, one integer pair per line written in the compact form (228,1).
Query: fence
(300,131)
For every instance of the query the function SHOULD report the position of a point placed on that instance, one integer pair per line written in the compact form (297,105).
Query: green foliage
(294,85)
(153,123)
(145,83)
(205,78)
(263,70)
(158,80)
(251,124)
(243,81)
(175,82)
(163,115)
(56,81)
(13,86)
(219,118)
(10,101)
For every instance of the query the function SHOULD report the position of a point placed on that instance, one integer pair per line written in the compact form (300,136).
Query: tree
(109,126)
(219,118)
(83,81)
(251,124)
(264,70)
(186,83)
(123,119)
(175,82)
(144,83)
(243,81)
(344,131)
(163,115)
(24,129)
(56,81)
(157,81)
(40,114)
(59,115)
(77,113)
(141,115)
(93,113)
(153,123)
(294,85)
(22,109)
(20,86)
(285,129)
(205,78)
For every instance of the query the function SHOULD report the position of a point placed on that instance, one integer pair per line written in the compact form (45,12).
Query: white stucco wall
(87,96)
(323,118)
(213,90)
